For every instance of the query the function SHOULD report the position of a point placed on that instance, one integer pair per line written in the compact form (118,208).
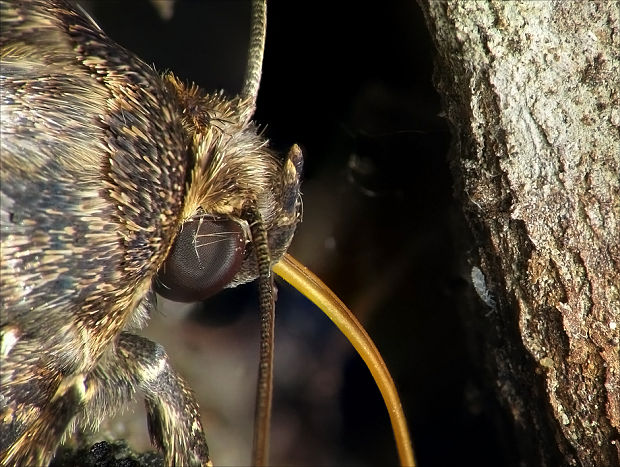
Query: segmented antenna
(251,81)
(264,387)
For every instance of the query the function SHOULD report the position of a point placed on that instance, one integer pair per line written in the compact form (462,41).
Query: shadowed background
(351,84)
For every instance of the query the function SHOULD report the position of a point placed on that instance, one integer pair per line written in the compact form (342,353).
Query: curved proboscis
(316,291)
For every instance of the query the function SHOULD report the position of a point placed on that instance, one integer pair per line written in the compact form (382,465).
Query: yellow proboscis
(300,277)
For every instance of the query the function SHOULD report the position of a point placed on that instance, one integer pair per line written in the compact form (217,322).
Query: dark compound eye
(205,257)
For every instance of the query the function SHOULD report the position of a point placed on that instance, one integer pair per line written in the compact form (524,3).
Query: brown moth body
(103,162)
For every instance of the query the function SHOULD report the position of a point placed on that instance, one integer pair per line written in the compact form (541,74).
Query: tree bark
(532,92)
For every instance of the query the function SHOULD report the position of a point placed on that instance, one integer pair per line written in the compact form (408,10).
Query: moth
(118,182)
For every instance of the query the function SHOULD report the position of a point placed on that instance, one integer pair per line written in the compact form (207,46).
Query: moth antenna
(251,81)
(264,387)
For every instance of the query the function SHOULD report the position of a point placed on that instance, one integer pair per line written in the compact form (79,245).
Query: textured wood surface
(532,91)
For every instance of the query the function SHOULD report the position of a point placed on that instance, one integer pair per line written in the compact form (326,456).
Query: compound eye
(205,257)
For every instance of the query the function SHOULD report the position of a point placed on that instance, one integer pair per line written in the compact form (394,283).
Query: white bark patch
(480,286)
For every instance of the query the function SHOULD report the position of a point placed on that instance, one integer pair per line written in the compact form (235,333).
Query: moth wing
(92,175)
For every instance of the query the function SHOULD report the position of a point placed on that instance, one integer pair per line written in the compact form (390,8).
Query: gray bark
(532,92)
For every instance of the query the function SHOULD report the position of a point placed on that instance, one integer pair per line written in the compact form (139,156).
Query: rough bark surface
(532,91)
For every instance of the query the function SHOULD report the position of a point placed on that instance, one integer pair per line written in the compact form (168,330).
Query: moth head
(236,181)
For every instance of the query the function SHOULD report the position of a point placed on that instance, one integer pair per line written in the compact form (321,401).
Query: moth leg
(172,412)
(37,444)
